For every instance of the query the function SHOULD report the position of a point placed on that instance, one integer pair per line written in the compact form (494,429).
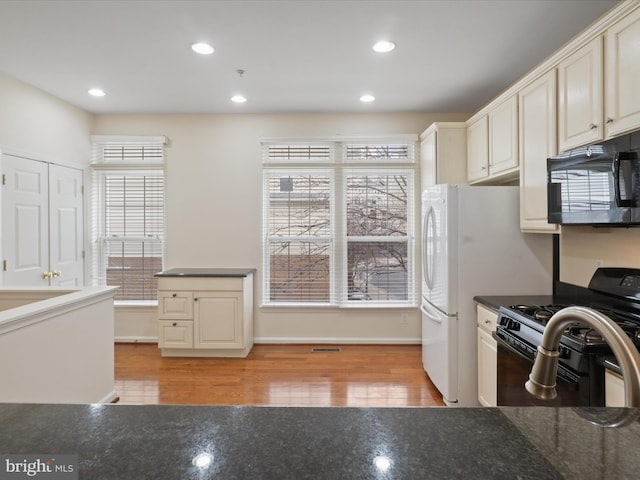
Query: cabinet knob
(609,120)
(593,126)
(483,167)
(195,299)
(487,321)
(175,324)
(175,295)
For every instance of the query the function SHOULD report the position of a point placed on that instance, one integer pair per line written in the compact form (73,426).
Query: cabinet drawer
(487,318)
(219,284)
(175,305)
(175,334)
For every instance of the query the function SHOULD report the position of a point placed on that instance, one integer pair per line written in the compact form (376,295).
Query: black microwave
(594,185)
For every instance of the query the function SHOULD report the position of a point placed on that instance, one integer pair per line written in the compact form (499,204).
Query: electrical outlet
(404,318)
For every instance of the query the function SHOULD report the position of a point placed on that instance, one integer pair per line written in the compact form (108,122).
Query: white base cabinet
(205,316)
(613,389)
(487,357)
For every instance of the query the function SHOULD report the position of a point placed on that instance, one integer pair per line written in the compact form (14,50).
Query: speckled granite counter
(160,442)
(206,272)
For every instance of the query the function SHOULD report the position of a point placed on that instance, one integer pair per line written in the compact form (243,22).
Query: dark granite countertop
(161,441)
(495,302)
(206,272)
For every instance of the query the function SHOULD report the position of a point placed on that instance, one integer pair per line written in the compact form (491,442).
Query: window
(128,217)
(339,232)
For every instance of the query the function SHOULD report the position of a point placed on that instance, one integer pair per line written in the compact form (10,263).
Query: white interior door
(66,226)
(25,221)
(42,223)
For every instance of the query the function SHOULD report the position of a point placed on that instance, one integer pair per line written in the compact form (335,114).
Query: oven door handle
(511,349)
(562,372)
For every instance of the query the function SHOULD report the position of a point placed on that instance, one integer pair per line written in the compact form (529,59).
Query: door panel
(66,226)
(25,199)
(440,351)
(42,223)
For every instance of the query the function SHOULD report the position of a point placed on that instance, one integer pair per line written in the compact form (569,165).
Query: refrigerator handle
(428,250)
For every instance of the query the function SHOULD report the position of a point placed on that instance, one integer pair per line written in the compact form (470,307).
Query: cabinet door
(478,150)
(613,389)
(428,160)
(503,136)
(622,74)
(175,305)
(175,334)
(580,97)
(487,369)
(537,142)
(218,320)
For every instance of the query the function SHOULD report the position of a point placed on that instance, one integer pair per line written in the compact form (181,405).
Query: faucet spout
(542,380)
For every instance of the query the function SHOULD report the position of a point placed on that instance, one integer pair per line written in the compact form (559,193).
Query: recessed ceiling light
(96,92)
(384,46)
(367,98)
(202,48)
(238,99)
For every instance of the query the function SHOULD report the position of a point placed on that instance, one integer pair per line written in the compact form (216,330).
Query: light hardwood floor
(278,375)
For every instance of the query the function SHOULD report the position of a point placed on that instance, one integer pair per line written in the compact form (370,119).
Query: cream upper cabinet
(580,97)
(443,153)
(537,120)
(478,150)
(492,143)
(598,94)
(622,75)
(503,137)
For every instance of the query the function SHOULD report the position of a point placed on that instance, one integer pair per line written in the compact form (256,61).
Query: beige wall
(214,210)
(38,125)
(583,249)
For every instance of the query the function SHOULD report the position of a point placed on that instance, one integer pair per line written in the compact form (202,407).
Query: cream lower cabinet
(613,389)
(205,316)
(487,357)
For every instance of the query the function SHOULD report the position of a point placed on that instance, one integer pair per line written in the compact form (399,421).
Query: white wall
(214,211)
(583,249)
(41,126)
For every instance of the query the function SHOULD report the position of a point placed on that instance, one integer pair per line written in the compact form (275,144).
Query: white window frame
(341,166)
(102,166)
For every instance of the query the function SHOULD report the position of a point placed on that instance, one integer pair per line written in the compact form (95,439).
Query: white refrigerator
(472,245)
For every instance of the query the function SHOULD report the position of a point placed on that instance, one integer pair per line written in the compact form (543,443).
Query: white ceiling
(299,55)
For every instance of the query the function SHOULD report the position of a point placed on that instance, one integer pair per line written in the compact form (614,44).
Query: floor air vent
(326,349)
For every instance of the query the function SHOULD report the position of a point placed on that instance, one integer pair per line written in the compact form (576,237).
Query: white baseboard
(341,341)
(136,339)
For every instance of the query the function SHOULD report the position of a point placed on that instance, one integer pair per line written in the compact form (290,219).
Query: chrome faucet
(542,380)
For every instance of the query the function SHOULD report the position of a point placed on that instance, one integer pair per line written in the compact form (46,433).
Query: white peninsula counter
(56,345)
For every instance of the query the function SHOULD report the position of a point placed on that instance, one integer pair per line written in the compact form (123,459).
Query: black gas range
(614,292)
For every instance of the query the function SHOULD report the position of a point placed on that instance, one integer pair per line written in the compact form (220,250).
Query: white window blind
(299,232)
(338,235)
(128,218)
(378,235)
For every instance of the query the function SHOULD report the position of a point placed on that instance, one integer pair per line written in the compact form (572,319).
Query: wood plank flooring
(278,375)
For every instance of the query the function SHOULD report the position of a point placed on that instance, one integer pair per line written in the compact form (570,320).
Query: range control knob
(564,352)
